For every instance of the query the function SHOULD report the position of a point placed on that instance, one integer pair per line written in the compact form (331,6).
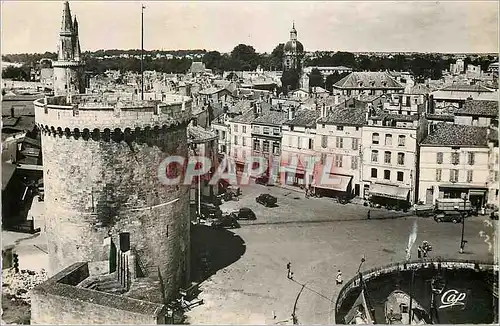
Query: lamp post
(462,241)
(142,52)
(361,263)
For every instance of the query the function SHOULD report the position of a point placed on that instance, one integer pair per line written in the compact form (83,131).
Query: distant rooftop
(447,134)
(466,88)
(368,80)
(481,108)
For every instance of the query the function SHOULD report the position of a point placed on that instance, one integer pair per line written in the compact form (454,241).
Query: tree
(316,78)
(277,57)
(212,60)
(245,56)
(346,59)
(333,78)
(290,80)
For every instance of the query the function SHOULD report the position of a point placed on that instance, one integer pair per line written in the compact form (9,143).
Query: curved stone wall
(435,264)
(101,179)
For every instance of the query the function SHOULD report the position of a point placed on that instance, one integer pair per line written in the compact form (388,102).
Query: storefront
(334,185)
(390,196)
(476,195)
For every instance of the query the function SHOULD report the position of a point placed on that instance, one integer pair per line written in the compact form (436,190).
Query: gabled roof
(354,116)
(368,80)
(466,88)
(447,134)
(419,89)
(211,90)
(304,118)
(481,108)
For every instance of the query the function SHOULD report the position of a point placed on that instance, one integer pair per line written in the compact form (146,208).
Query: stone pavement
(318,237)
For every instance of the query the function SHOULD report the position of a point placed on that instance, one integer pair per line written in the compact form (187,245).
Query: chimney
(323,111)
(12,112)
(291,113)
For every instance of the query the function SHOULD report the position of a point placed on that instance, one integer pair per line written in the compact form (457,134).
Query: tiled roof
(247,117)
(198,134)
(482,108)
(305,118)
(493,135)
(440,117)
(419,89)
(346,116)
(398,117)
(240,106)
(368,80)
(447,134)
(270,117)
(210,91)
(467,88)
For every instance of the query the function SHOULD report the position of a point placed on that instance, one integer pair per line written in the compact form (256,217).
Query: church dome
(293,46)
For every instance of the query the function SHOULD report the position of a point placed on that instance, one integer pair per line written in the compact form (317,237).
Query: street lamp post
(462,241)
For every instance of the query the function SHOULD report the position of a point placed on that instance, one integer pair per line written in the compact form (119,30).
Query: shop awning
(477,192)
(334,182)
(389,191)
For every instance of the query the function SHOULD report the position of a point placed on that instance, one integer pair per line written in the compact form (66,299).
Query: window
(340,128)
(265,146)
(455,158)
(401,176)
(374,173)
(339,142)
(387,175)
(299,142)
(469,176)
(357,128)
(243,141)
(374,156)
(256,129)
(235,128)
(311,143)
(471,158)
(244,129)
(496,158)
(387,157)
(439,158)
(266,131)
(496,176)
(401,140)
(354,162)
(276,131)
(453,175)
(276,148)
(401,158)
(375,138)
(324,141)
(291,128)
(338,161)
(256,145)
(236,140)
(355,144)
(388,139)
(438,174)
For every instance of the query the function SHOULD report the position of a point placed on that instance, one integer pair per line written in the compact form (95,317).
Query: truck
(453,204)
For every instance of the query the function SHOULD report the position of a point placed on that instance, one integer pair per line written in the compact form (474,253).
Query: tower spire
(66,24)
(77,50)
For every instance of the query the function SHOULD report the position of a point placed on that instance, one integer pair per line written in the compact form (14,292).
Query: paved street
(318,237)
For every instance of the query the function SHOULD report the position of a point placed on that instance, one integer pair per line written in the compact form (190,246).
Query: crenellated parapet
(105,118)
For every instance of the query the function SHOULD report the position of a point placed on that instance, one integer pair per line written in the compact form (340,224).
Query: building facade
(369,83)
(457,160)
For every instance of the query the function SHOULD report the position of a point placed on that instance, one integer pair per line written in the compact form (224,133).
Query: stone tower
(293,52)
(103,195)
(69,76)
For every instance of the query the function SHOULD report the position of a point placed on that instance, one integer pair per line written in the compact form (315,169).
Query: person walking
(338,280)
(368,215)
(289,268)
(419,252)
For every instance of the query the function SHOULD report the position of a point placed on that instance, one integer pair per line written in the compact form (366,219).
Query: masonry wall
(105,184)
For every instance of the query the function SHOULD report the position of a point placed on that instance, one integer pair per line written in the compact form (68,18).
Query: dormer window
(360,84)
(372,83)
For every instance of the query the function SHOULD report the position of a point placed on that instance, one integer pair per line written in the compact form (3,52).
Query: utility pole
(462,241)
(142,52)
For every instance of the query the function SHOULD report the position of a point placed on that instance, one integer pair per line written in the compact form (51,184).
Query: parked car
(214,200)
(244,213)
(266,200)
(451,216)
(262,180)
(494,215)
(226,221)
(210,211)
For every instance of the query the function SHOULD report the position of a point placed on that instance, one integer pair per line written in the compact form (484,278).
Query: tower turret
(68,69)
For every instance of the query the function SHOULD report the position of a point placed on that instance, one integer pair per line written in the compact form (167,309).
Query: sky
(375,26)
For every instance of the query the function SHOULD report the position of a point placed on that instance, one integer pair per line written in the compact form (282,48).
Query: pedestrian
(368,215)
(419,252)
(289,268)
(338,280)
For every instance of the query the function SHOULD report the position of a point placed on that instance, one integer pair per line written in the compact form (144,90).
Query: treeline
(176,66)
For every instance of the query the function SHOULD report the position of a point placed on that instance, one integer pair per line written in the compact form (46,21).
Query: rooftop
(447,134)
(466,88)
(355,116)
(482,108)
(197,134)
(305,118)
(368,80)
